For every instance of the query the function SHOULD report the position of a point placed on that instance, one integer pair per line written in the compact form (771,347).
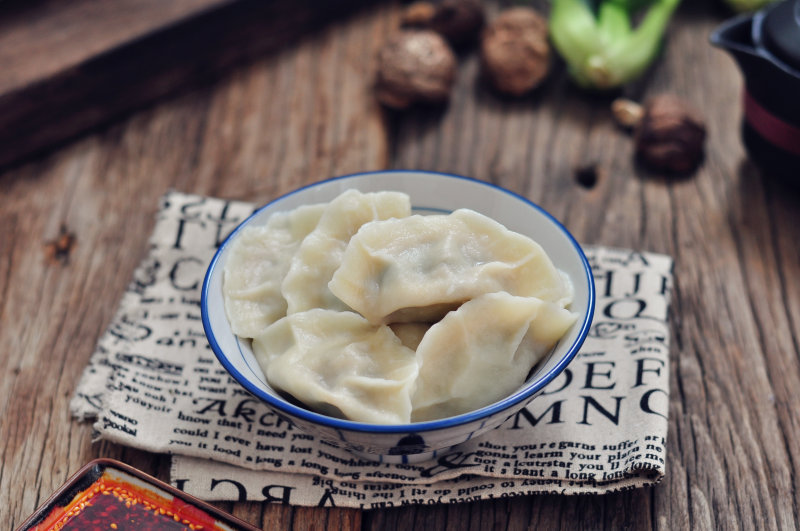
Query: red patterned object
(106,494)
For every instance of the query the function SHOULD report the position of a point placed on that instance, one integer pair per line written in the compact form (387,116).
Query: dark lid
(781,32)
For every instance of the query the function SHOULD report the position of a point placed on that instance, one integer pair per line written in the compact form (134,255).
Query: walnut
(669,135)
(458,21)
(415,66)
(515,52)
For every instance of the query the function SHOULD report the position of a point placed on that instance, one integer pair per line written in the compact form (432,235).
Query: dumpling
(320,253)
(420,267)
(482,352)
(259,259)
(340,365)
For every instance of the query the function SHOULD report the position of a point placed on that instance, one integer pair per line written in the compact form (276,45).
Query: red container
(106,494)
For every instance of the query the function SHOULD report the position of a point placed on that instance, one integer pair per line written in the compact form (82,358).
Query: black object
(766,45)
(409,445)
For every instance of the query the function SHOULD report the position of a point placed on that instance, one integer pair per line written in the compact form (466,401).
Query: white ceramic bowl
(430,192)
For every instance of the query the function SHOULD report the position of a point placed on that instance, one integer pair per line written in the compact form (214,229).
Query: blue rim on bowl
(524,393)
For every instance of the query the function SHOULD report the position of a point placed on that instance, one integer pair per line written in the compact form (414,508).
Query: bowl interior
(430,193)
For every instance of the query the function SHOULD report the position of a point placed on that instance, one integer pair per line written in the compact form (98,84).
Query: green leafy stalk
(600,46)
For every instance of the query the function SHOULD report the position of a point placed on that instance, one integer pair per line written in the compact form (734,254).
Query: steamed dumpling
(420,267)
(483,351)
(259,259)
(338,364)
(319,255)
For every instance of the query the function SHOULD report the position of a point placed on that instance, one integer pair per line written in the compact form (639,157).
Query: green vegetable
(597,40)
(742,6)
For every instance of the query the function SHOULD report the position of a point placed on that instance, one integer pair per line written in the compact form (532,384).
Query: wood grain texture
(305,113)
(70,68)
(40,39)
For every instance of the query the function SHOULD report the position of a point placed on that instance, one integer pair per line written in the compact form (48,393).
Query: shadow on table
(766,214)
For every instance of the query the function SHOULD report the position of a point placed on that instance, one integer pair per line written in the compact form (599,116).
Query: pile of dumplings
(361,310)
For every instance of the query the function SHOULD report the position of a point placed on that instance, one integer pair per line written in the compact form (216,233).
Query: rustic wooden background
(304,112)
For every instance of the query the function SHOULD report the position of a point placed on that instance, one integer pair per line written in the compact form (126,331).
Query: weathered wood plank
(40,39)
(70,68)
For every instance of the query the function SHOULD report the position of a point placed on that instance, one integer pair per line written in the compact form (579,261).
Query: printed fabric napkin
(153,383)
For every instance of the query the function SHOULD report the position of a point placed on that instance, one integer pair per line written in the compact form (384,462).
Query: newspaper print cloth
(153,383)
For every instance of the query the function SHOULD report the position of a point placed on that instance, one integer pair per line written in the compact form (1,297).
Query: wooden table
(304,113)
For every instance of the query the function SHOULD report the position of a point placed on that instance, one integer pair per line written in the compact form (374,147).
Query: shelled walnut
(515,52)
(669,135)
(415,66)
